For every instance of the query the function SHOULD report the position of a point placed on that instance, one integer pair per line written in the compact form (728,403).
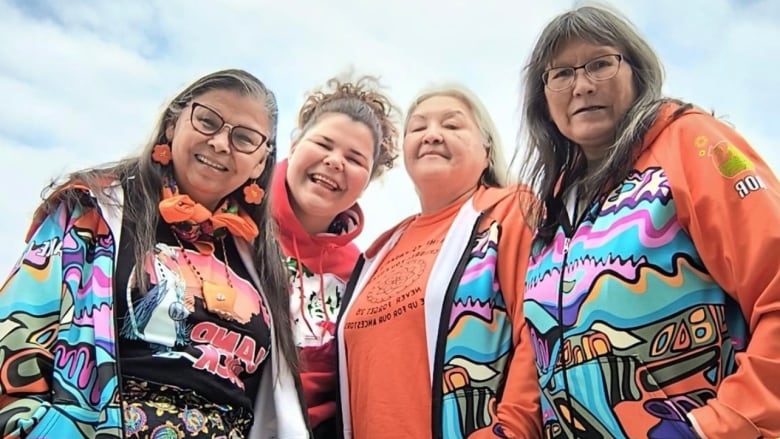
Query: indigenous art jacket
(58,366)
(479,357)
(640,312)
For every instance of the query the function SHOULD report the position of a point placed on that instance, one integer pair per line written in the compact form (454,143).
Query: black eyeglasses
(208,122)
(600,68)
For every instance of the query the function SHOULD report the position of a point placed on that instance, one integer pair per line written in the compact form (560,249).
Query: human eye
(243,139)
(247,138)
(357,160)
(600,63)
(561,73)
(207,120)
(323,145)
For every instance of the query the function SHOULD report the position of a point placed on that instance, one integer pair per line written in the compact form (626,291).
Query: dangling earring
(253,194)
(161,153)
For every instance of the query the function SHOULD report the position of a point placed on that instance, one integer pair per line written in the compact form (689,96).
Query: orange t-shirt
(384,335)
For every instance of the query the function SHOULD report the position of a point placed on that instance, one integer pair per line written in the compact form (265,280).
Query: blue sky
(83,81)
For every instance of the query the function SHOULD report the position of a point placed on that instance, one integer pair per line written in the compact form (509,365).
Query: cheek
(556,106)
(360,179)
(410,145)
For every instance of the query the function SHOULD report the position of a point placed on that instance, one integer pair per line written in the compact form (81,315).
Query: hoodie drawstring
(302,293)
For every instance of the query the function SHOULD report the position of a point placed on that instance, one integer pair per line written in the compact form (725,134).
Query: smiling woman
(163,281)
(432,331)
(346,138)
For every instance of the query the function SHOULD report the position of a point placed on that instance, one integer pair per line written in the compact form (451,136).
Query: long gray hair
(550,155)
(142,179)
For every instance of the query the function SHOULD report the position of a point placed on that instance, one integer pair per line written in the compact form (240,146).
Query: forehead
(578,51)
(335,121)
(237,108)
(441,106)
(340,128)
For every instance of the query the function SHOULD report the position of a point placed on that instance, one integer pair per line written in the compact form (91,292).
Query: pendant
(219,299)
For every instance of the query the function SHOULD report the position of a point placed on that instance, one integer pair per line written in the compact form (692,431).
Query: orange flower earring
(162,153)
(253,194)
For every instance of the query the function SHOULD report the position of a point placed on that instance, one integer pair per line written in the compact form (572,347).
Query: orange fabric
(728,200)
(43,210)
(518,410)
(180,208)
(384,334)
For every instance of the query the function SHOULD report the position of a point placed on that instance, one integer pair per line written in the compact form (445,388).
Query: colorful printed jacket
(478,348)
(319,266)
(645,334)
(58,368)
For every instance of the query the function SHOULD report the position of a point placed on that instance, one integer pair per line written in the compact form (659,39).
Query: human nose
(432,135)
(582,84)
(334,160)
(220,140)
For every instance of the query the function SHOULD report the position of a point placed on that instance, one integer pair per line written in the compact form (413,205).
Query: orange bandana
(194,223)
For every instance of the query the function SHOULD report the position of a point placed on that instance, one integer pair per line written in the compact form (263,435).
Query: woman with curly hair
(346,138)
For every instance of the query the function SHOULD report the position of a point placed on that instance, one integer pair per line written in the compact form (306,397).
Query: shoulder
(510,202)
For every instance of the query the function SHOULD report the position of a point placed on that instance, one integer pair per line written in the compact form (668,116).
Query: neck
(312,224)
(433,202)
(593,159)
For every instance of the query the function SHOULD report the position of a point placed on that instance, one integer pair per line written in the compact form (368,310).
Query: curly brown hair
(363,101)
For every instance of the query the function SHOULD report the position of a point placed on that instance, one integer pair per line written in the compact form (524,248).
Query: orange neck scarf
(194,223)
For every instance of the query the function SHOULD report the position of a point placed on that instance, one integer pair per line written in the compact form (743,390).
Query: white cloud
(84,80)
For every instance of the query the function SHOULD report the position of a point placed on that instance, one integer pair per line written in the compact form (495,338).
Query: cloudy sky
(84,80)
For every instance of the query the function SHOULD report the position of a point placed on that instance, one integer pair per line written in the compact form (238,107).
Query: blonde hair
(497,172)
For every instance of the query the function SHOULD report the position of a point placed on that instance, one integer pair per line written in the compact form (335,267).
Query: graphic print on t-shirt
(172,319)
(397,287)
(314,304)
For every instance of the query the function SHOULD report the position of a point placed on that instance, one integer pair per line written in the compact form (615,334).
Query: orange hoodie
(666,320)
(479,354)
(319,267)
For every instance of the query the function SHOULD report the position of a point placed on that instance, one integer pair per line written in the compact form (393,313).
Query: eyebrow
(445,115)
(219,113)
(596,54)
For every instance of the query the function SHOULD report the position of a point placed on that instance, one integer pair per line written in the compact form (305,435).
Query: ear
(293,144)
(169,129)
(257,171)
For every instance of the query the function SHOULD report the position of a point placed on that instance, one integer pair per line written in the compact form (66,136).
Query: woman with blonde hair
(432,340)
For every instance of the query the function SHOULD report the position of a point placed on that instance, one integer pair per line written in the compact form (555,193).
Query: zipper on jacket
(119,384)
(115,319)
(561,338)
(438,362)
(569,230)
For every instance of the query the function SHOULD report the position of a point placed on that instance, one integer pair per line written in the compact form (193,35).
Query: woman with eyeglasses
(151,300)
(653,288)
(346,138)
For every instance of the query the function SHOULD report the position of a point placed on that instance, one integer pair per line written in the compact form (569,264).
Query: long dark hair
(549,155)
(143,178)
